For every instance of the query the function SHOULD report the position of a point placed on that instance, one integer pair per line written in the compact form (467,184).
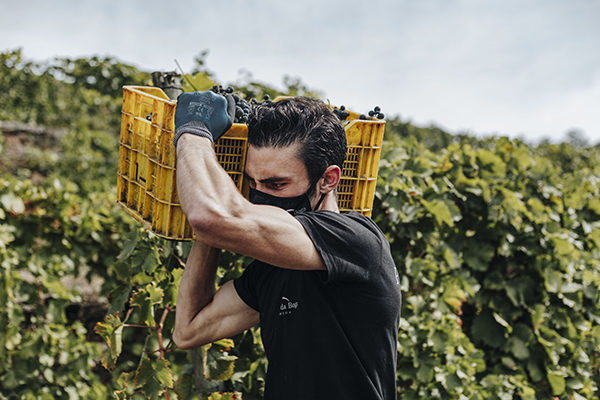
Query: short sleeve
(350,244)
(245,286)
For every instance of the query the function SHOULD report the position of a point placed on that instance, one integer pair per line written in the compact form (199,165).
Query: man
(323,284)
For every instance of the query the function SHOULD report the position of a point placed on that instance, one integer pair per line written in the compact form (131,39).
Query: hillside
(497,243)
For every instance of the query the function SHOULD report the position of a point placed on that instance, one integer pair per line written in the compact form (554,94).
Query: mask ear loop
(322,196)
(319,202)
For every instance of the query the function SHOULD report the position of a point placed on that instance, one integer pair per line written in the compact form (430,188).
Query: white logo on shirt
(287,306)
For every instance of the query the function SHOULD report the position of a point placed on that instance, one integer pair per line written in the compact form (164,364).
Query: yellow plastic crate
(147,188)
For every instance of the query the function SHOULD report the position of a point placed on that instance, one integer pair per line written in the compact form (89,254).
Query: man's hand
(204,114)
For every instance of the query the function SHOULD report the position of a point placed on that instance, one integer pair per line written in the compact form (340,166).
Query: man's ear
(330,179)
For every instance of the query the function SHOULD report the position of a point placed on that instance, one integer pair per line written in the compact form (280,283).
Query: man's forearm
(204,188)
(197,287)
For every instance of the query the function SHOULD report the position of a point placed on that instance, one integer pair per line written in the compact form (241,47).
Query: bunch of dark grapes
(341,113)
(266,100)
(374,113)
(242,108)
(219,89)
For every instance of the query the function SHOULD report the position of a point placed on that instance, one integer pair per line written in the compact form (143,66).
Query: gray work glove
(205,114)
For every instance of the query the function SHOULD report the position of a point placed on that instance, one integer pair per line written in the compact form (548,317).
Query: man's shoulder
(349,220)
(349,227)
(350,244)
(349,216)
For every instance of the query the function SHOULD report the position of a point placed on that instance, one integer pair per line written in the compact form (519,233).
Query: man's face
(276,171)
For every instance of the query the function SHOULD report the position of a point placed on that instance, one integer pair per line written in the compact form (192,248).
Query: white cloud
(507,66)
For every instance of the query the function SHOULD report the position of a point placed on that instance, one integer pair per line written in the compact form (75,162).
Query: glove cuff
(194,127)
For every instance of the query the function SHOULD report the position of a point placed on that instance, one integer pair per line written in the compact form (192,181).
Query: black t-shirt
(330,334)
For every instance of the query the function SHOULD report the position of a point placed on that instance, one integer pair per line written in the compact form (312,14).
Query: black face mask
(294,205)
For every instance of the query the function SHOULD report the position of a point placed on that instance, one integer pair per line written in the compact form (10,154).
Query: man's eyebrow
(273,179)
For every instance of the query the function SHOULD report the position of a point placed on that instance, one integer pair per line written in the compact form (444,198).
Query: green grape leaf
(225,396)
(155,294)
(153,377)
(11,202)
(491,162)
(119,297)
(595,237)
(107,360)
(451,257)
(146,299)
(562,244)
(554,280)
(509,363)
(146,311)
(537,209)
(518,348)
(184,387)
(440,341)
(199,81)
(453,295)
(488,330)
(440,211)
(111,330)
(577,396)
(425,371)
(218,363)
(536,369)
(522,158)
(478,255)
(594,205)
(147,257)
(130,244)
(557,382)
(519,291)
(171,297)
(123,382)
(32,345)
(122,269)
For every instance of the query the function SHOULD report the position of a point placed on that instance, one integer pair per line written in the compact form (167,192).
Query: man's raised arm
(203,316)
(220,216)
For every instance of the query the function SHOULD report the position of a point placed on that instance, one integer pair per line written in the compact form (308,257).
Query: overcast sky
(527,69)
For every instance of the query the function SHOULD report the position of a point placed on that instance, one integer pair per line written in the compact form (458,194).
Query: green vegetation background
(497,243)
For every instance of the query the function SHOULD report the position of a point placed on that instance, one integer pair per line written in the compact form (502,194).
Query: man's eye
(276,186)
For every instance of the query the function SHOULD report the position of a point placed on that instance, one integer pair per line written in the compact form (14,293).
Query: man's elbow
(211,227)
(183,345)
(179,339)
(185,340)
(205,227)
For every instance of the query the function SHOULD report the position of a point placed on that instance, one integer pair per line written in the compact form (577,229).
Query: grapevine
(497,243)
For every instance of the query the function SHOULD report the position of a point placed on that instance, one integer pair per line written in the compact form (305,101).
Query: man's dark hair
(303,120)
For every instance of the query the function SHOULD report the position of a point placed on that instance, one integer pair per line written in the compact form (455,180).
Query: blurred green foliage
(497,243)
